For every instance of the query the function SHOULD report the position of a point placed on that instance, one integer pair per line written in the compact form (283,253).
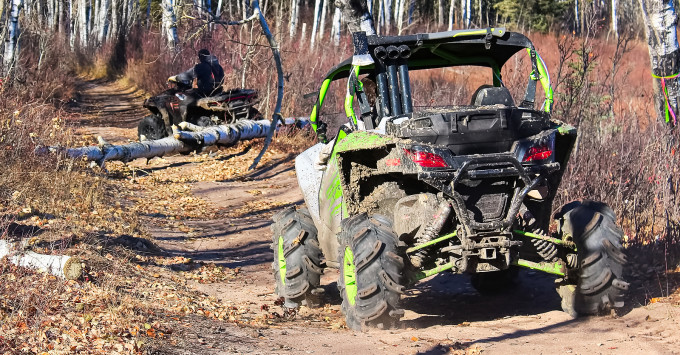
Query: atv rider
(209,77)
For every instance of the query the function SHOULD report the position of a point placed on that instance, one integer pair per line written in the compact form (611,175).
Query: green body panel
(282,261)
(332,206)
(362,140)
(350,276)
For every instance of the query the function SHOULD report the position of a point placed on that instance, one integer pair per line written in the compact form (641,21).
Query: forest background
(595,51)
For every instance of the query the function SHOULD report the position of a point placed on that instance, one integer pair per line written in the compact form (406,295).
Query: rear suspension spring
(430,232)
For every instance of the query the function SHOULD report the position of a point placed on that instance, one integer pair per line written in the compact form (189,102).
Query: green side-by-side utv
(404,192)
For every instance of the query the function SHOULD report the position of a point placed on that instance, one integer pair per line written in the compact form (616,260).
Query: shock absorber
(430,232)
(545,249)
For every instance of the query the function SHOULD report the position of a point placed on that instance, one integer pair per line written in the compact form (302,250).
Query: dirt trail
(444,314)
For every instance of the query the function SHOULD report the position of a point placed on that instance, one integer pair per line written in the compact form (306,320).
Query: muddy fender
(309,180)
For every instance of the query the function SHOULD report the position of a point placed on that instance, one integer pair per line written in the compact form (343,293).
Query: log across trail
(186,138)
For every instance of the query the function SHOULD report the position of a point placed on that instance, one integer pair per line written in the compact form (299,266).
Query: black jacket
(208,74)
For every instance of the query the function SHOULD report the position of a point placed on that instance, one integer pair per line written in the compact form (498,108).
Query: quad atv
(224,108)
(403,193)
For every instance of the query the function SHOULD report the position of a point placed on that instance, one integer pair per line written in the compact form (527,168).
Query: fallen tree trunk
(186,139)
(63,266)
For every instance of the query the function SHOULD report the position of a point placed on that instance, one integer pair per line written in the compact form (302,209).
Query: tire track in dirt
(444,314)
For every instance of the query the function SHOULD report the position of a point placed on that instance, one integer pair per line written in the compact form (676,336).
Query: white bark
(411,9)
(115,19)
(467,13)
(336,28)
(72,25)
(103,19)
(51,14)
(82,22)
(294,7)
(219,8)
(400,18)
(381,16)
(186,140)
(356,15)
(303,36)
(170,23)
(388,14)
(660,27)
(440,13)
(615,24)
(315,23)
(12,45)
(452,14)
(324,12)
(62,266)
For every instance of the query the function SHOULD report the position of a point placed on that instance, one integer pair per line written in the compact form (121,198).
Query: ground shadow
(451,299)
(265,172)
(253,253)
(462,346)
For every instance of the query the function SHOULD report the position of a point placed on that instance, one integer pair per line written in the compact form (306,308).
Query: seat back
(486,96)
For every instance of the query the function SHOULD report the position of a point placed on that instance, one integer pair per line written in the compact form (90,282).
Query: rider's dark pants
(190,98)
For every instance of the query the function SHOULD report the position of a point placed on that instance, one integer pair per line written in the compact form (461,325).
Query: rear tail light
(426,159)
(537,153)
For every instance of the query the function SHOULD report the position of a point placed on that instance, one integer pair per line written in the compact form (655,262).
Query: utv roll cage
(389,59)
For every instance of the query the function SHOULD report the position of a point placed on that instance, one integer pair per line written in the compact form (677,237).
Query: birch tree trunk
(115,19)
(103,19)
(51,14)
(467,13)
(12,45)
(315,22)
(294,6)
(400,18)
(355,13)
(63,266)
(381,16)
(169,23)
(660,28)
(388,15)
(322,26)
(195,138)
(615,24)
(440,14)
(72,25)
(452,14)
(411,9)
(82,22)
(337,27)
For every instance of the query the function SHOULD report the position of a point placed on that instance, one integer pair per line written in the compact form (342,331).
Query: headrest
(485,96)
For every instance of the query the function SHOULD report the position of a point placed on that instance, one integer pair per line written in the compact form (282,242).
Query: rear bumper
(496,166)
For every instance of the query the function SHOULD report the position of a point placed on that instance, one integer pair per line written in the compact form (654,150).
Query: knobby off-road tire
(151,127)
(371,273)
(595,285)
(297,257)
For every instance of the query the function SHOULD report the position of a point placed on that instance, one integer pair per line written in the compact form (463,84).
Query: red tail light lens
(537,153)
(426,159)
